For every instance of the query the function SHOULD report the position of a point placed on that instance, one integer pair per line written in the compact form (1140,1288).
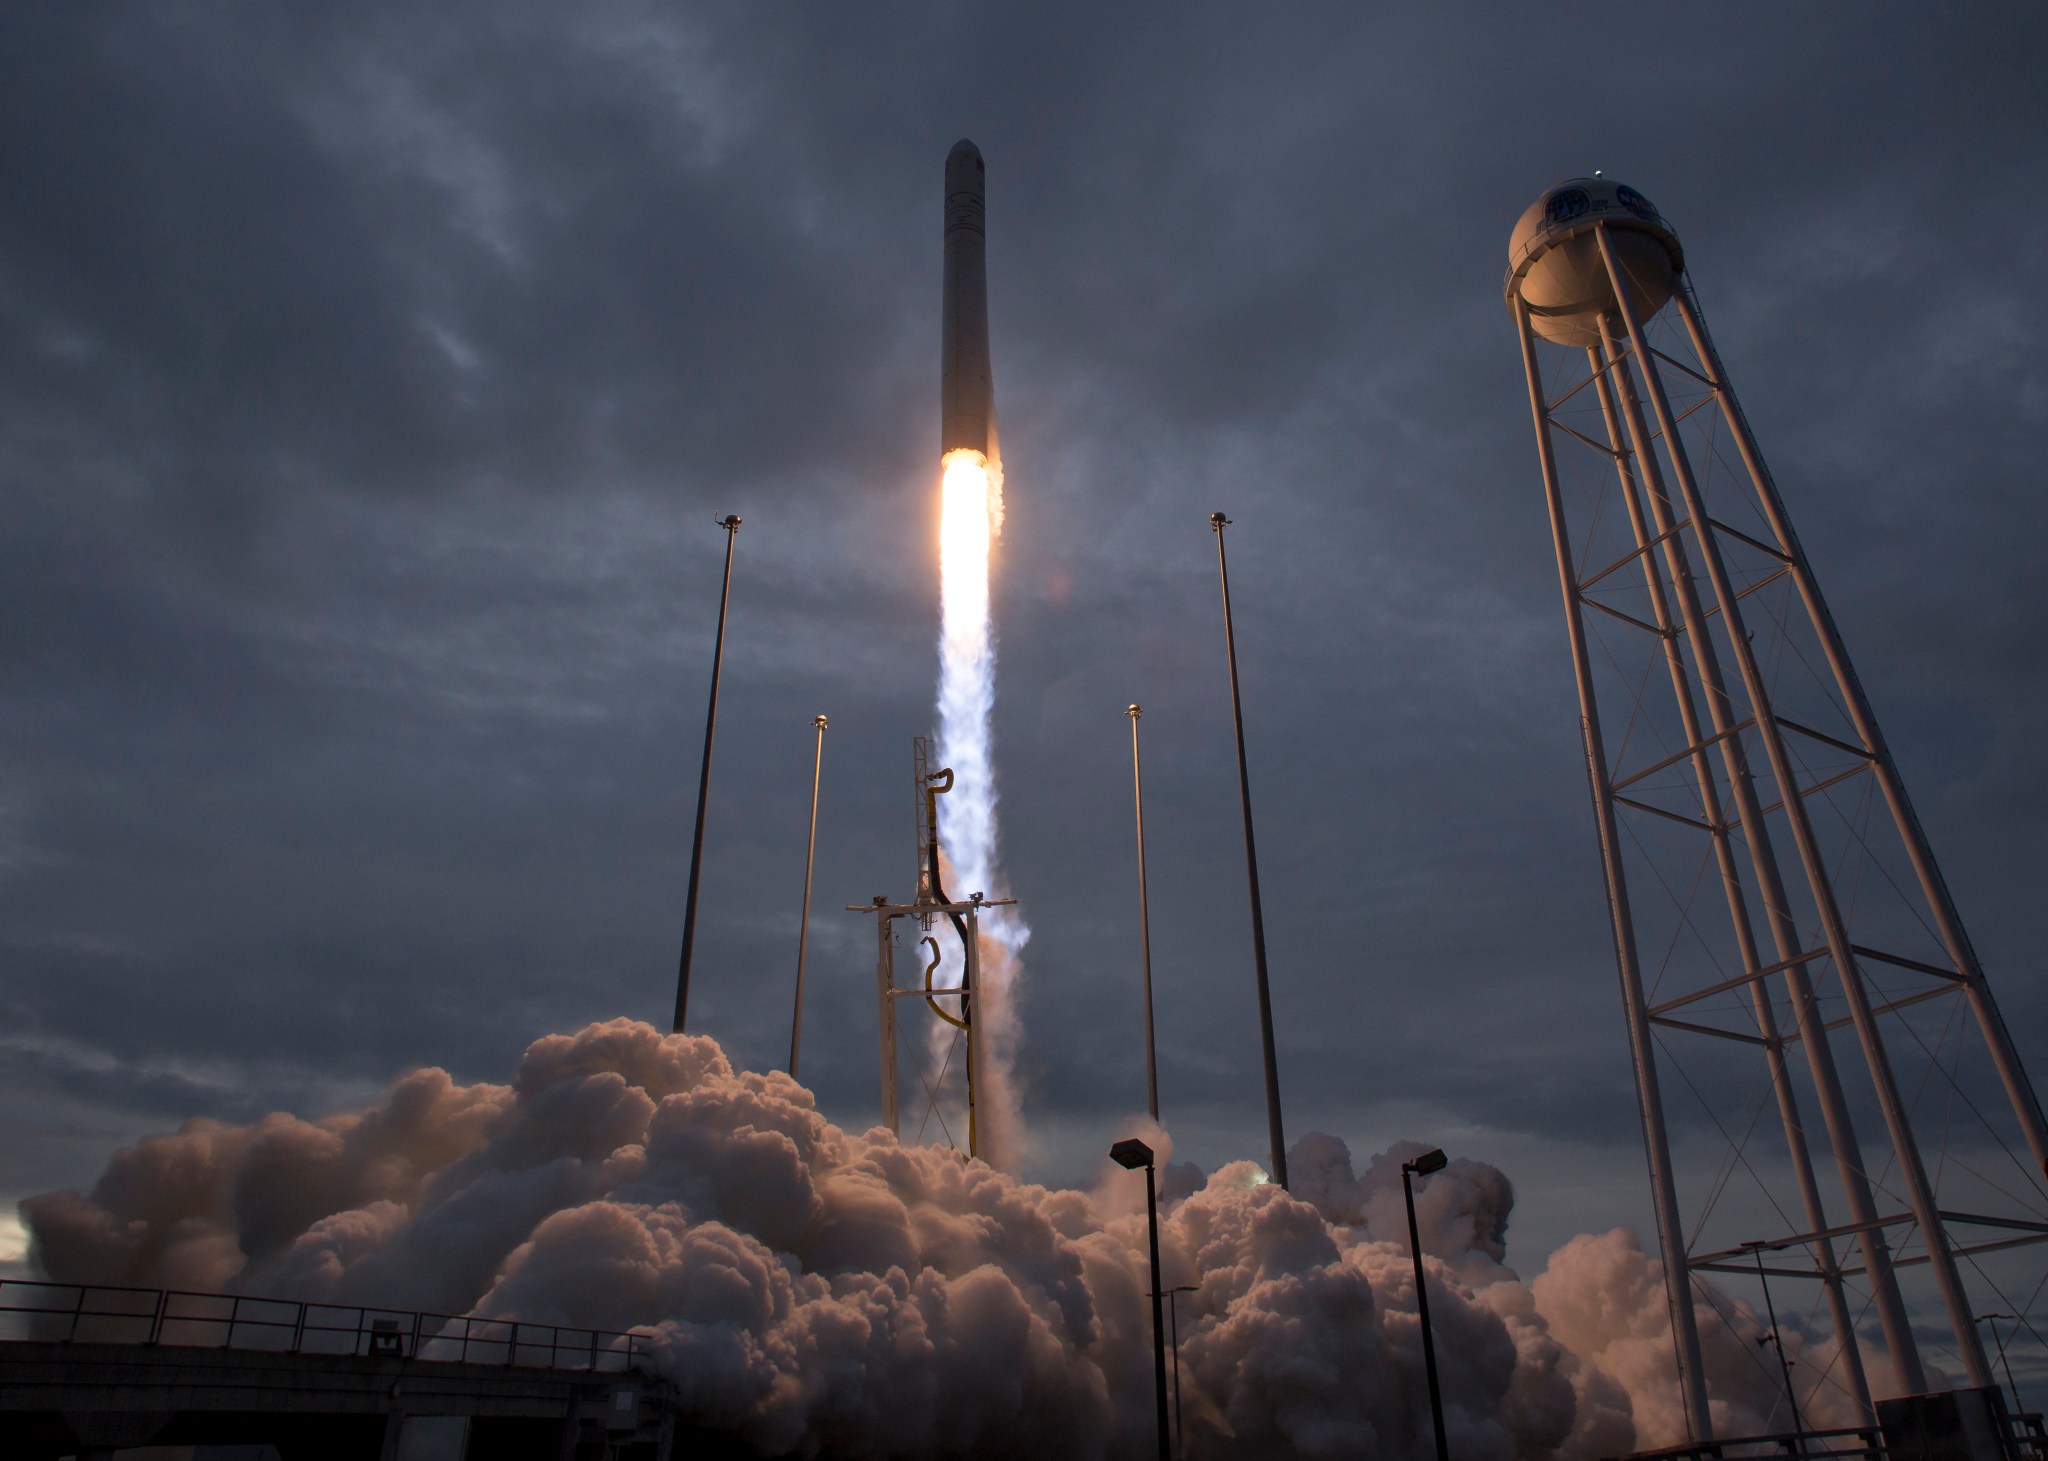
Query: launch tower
(1800,991)
(957,943)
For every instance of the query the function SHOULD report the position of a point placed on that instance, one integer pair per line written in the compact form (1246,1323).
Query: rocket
(967,392)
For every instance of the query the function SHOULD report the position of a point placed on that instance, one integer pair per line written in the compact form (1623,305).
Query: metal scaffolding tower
(1785,941)
(927,907)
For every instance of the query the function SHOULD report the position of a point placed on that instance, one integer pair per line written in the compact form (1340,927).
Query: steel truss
(927,907)
(1733,781)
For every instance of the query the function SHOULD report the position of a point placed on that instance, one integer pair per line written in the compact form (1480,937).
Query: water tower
(1828,1093)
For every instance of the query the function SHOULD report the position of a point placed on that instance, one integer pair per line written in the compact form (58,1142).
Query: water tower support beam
(1670,1234)
(1919,1193)
(1785,938)
(2019,1090)
(1605,369)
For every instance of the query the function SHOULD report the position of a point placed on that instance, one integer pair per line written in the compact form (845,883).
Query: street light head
(1133,712)
(1131,1153)
(1218,522)
(1428,1162)
(818,721)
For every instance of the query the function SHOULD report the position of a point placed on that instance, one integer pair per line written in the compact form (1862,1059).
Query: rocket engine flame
(970,516)
(970,521)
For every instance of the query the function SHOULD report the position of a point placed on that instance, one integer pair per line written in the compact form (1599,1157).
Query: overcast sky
(371,377)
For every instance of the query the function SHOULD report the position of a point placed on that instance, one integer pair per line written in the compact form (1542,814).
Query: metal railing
(2025,1440)
(2027,1437)
(1837,1445)
(33,1309)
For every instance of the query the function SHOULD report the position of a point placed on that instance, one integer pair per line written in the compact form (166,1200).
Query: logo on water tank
(1635,202)
(1565,204)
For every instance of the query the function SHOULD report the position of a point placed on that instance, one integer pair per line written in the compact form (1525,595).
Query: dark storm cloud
(368,383)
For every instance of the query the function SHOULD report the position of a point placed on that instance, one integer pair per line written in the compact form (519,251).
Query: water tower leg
(1919,1192)
(1785,936)
(1605,367)
(1670,1235)
(2026,1103)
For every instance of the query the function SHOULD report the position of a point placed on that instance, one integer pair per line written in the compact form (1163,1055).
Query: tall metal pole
(803,936)
(1144,924)
(1436,1395)
(1158,1321)
(731,525)
(885,1021)
(970,1011)
(1180,1430)
(1778,1343)
(1276,1137)
(2010,1383)
(1685,1334)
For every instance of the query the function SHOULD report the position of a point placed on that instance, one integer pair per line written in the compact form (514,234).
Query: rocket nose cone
(964,171)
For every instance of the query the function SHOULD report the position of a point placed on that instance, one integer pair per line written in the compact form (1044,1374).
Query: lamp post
(1144,923)
(1132,1154)
(1173,1325)
(803,935)
(1756,1246)
(731,524)
(2004,1363)
(1276,1139)
(1422,1166)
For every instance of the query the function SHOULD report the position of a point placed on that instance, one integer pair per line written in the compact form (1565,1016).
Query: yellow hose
(933,788)
(930,995)
(973,1129)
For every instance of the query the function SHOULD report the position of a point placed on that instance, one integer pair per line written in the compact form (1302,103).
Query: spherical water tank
(1554,262)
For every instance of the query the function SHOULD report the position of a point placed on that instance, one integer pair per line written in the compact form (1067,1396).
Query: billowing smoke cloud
(817,1292)
(1603,1298)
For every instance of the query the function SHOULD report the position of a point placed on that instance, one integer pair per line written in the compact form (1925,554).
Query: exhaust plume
(820,1293)
(970,521)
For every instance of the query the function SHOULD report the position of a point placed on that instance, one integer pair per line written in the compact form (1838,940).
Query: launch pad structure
(927,908)
(1756,782)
